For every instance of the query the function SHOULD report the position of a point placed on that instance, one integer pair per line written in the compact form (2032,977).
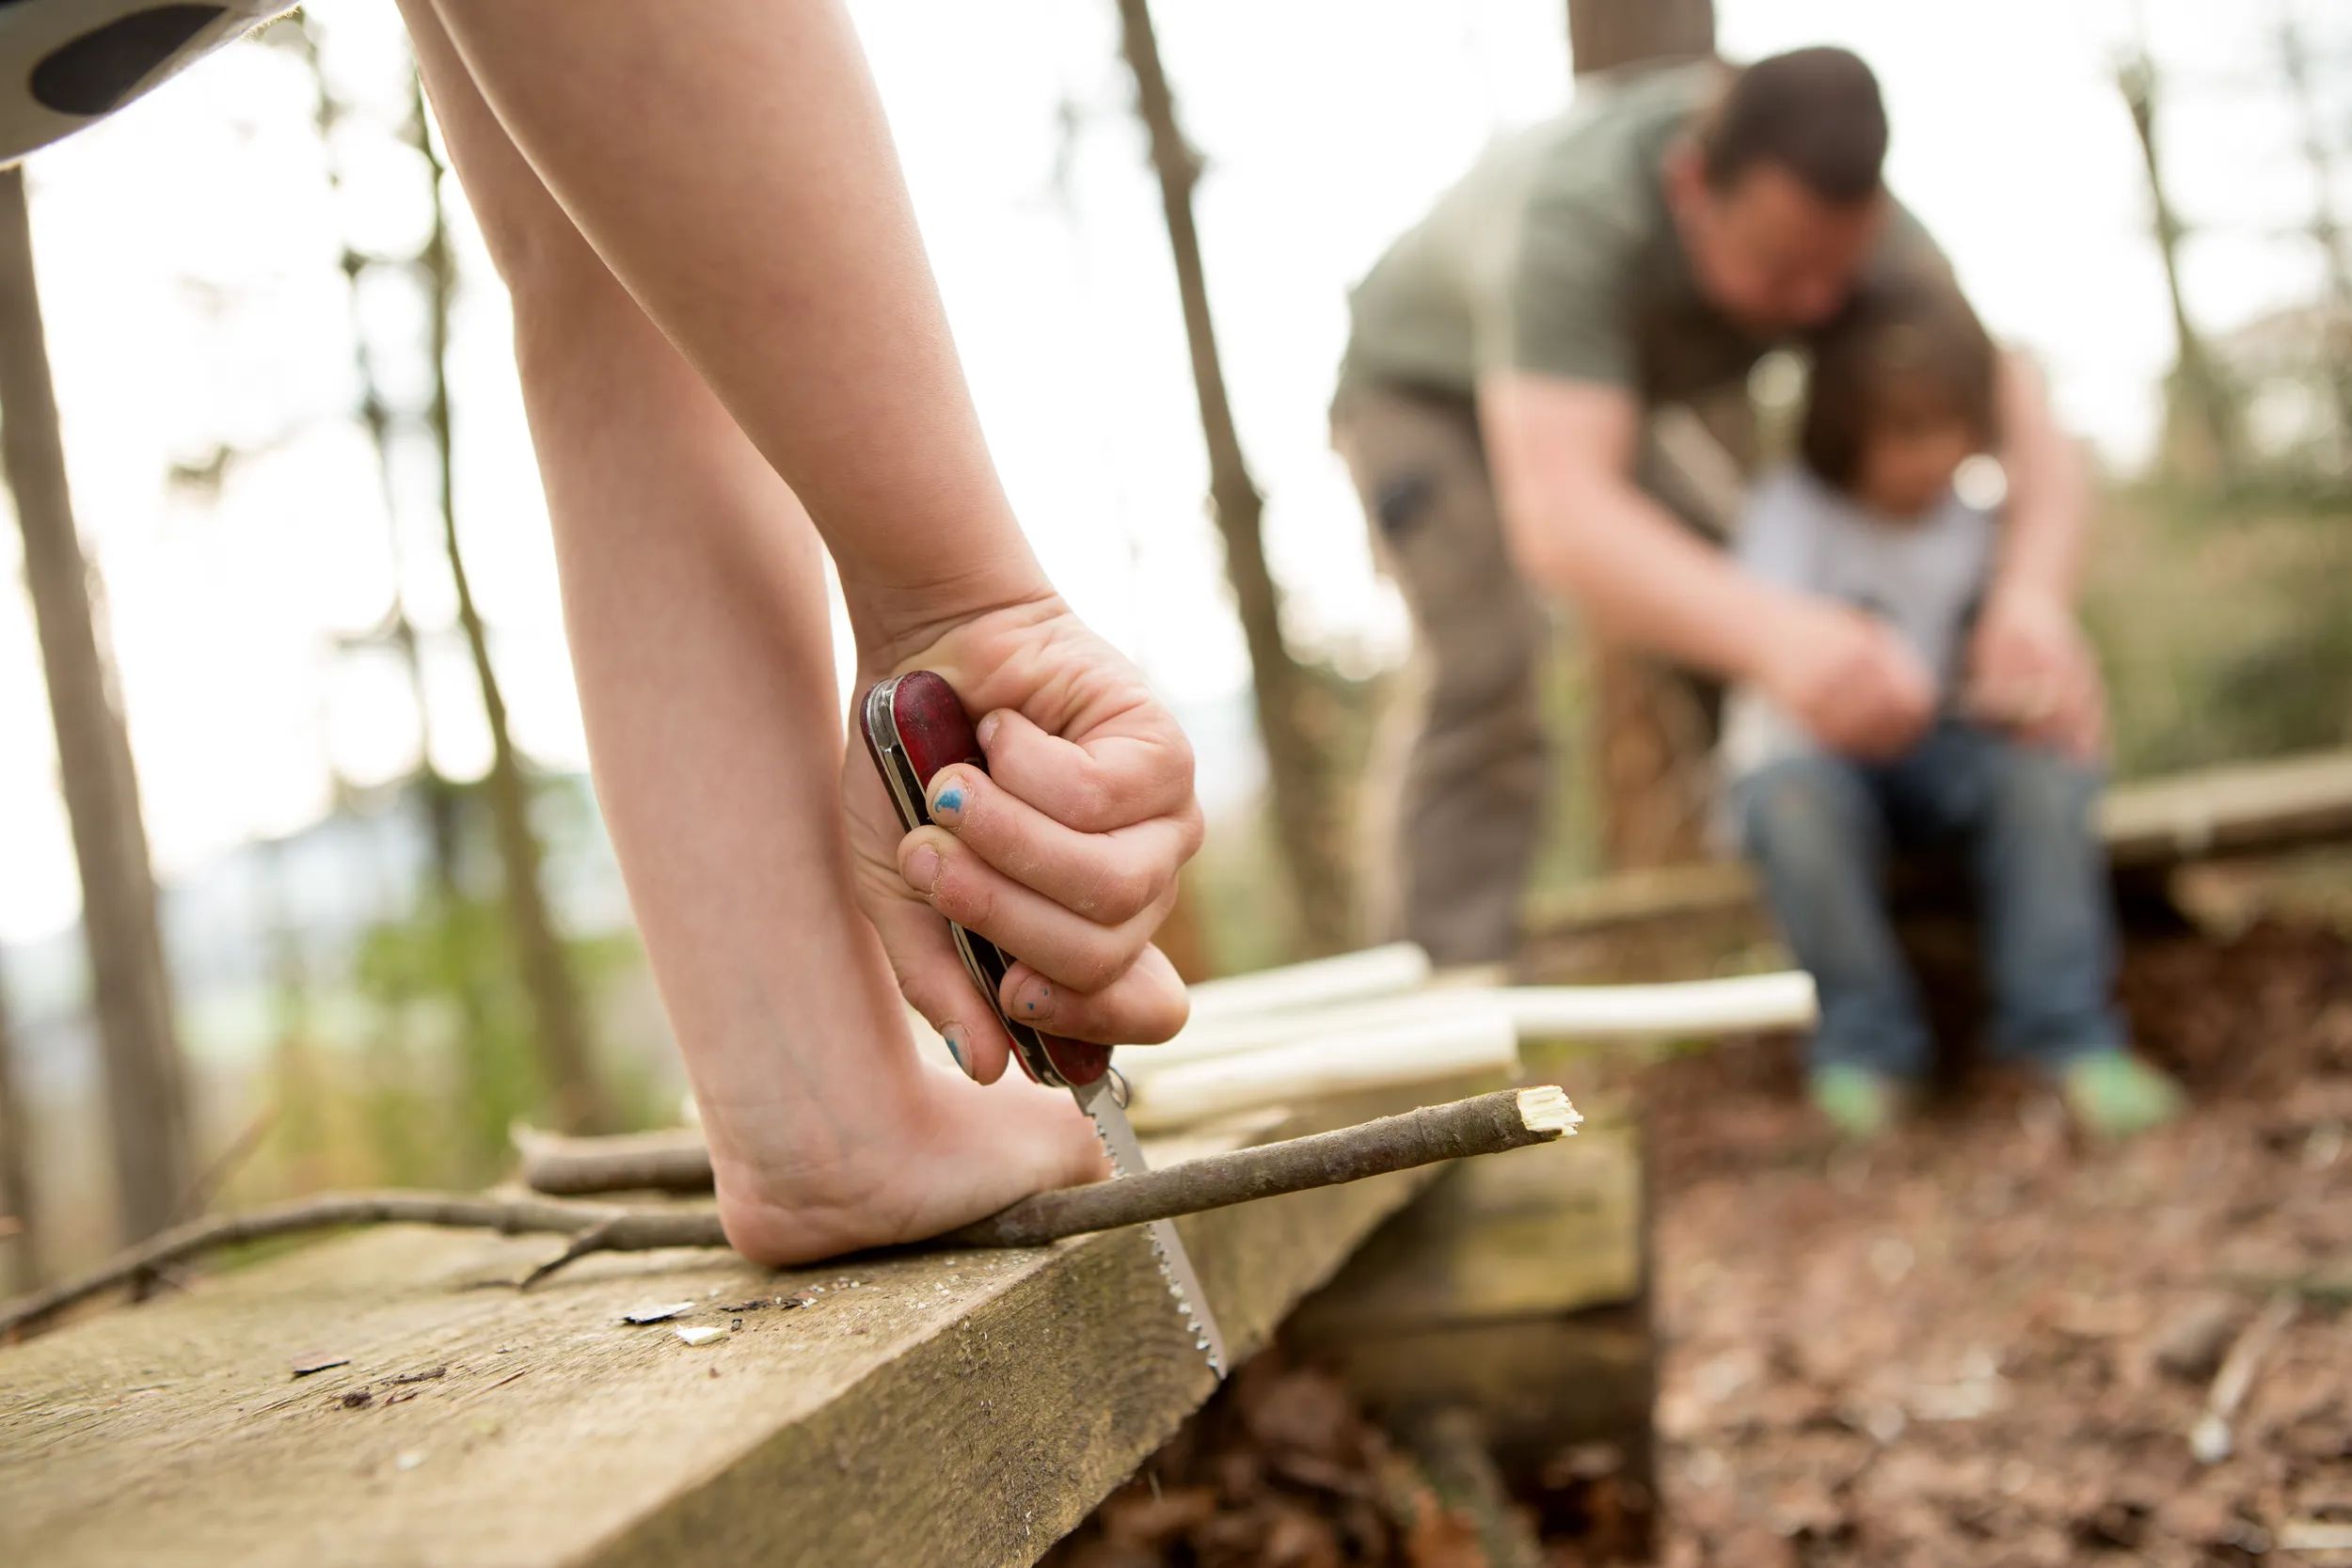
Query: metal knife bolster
(1126,1154)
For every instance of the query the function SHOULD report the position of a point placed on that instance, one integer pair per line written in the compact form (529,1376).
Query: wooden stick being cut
(1487,1124)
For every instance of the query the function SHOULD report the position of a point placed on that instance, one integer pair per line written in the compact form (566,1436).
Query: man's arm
(1562,457)
(2047,523)
(2030,666)
(1562,452)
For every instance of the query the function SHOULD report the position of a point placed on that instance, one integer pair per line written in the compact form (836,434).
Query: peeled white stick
(1374,972)
(1620,1014)
(1601,1014)
(1244,1034)
(1470,1036)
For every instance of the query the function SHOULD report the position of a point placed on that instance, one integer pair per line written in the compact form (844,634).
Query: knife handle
(914,725)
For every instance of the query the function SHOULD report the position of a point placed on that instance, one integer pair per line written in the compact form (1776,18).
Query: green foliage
(2225,624)
(445,978)
(412,1067)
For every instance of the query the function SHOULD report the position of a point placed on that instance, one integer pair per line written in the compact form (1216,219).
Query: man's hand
(1064,854)
(1848,678)
(2031,670)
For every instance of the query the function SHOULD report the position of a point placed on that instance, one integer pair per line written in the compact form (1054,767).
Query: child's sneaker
(1861,1103)
(2114,1094)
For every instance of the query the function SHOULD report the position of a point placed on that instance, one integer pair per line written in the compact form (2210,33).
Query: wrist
(893,625)
(2038,558)
(1769,625)
(2021,587)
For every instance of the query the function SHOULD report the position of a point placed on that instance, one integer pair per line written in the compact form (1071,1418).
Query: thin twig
(209,1182)
(332,1211)
(2211,1439)
(1487,1124)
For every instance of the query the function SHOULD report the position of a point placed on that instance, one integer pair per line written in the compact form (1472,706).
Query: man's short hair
(1814,111)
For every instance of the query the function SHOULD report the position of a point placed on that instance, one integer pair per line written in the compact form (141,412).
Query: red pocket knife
(915,725)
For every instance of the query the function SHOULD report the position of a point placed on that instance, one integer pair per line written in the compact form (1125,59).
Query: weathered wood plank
(2249,808)
(1518,1290)
(1496,1240)
(2148,826)
(965,1408)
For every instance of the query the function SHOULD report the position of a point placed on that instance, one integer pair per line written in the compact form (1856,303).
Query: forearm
(769,233)
(1580,531)
(1644,578)
(2046,516)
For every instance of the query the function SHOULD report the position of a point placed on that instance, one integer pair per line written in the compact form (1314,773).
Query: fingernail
(949,802)
(987,730)
(953,1035)
(1034,1001)
(922,871)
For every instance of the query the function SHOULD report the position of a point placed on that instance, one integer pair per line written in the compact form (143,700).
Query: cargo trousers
(1462,767)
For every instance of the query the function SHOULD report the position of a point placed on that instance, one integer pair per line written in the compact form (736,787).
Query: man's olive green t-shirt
(1556,254)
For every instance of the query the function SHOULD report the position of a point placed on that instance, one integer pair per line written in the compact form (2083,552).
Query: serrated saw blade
(1101,1104)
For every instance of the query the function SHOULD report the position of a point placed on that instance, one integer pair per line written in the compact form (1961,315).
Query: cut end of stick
(1545,1109)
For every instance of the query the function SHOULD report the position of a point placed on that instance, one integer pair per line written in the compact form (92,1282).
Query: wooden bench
(1649,923)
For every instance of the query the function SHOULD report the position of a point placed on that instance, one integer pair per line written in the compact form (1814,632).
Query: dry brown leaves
(1981,1344)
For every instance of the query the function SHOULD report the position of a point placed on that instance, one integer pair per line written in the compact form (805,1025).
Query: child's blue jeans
(1820,828)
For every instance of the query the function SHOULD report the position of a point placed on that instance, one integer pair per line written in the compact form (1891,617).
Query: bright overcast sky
(188,254)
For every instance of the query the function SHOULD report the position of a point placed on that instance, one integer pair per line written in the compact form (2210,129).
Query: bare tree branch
(332,1211)
(1295,721)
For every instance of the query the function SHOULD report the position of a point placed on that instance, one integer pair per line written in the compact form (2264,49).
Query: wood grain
(963,1407)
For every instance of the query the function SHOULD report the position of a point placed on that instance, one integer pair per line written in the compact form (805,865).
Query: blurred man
(1641,250)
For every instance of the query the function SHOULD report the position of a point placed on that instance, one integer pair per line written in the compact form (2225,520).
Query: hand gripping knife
(915,725)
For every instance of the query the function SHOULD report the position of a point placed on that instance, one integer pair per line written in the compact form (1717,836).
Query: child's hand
(1849,679)
(2031,670)
(1064,854)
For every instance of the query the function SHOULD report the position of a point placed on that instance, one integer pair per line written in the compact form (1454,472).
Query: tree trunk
(1649,734)
(2199,397)
(1605,34)
(2326,227)
(440,798)
(559,1022)
(21,1242)
(1295,721)
(147,1101)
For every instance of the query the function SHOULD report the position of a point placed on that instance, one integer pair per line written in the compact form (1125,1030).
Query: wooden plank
(1516,1287)
(1548,1230)
(1543,1385)
(2252,808)
(965,1408)
(2150,825)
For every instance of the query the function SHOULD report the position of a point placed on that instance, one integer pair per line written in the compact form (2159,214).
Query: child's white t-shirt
(1924,576)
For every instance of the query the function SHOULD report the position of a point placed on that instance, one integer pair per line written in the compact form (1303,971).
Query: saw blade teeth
(1167,1247)
(1201,1341)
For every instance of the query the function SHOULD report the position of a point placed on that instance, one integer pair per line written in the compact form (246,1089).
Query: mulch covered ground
(1981,1344)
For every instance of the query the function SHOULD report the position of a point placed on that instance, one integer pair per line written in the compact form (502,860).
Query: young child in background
(1901,397)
